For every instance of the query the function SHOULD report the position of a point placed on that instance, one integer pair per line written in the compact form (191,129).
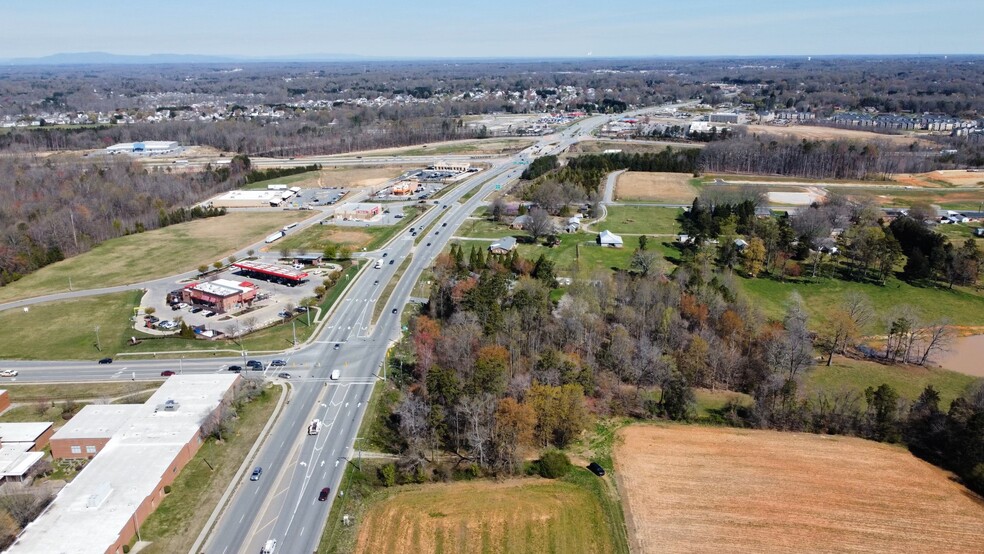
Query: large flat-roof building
(222,295)
(147,147)
(21,448)
(101,509)
(249,199)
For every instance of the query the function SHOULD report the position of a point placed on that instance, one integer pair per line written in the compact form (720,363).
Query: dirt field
(483,517)
(704,489)
(828,133)
(634,147)
(946,177)
(354,177)
(658,187)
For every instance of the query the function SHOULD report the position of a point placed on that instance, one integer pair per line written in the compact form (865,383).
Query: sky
(492,28)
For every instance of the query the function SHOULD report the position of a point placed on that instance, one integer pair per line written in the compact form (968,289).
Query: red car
(324,494)
(167,373)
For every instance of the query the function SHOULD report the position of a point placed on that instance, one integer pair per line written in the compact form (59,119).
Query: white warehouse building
(146,147)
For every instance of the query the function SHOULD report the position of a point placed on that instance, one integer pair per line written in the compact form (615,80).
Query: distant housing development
(137,451)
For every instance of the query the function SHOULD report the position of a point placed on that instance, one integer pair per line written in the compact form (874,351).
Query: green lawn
(176,523)
(485,229)
(150,255)
(960,306)
(75,391)
(641,220)
(907,380)
(580,248)
(315,238)
(67,329)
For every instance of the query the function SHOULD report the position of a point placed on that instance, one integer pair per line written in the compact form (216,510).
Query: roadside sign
(498,187)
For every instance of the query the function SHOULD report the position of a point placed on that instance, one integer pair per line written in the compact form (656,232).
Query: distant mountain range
(105,58)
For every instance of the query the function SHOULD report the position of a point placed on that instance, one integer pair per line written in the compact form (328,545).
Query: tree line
(493,369)
(51,211)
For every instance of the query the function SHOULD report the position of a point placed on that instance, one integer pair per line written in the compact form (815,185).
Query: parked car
(375,282)
(8,373)
(301,309)
(323,495)
(255,365)
(283,314)
(106,361)
(284,375)
(256,473)
(167,373)
(595,468)
(235,368)
(197,309)
(278,363)
(208,313)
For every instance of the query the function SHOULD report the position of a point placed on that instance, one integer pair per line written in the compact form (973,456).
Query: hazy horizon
(509,29)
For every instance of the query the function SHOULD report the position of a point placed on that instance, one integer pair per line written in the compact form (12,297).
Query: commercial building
(86,434)
(726,117)
(4,400)
(101,509)
(457,167)
(222,295)
(33,435)
(359,211)
(275,273)
(250,199)
(149,147)
(406,186)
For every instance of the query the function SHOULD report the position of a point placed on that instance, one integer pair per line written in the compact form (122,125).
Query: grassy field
(345,177)
(542,516)
(175,525)
(907,380)
(485,146)
(372,237)
(641,220)
(582,249)
(67,329)
(655,187)
(960,306)
(485,229)
(712,489)
(75,391)
(149,255)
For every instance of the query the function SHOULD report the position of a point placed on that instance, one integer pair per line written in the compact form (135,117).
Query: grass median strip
(390,286)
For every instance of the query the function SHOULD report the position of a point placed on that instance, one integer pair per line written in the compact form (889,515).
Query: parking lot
(272,303)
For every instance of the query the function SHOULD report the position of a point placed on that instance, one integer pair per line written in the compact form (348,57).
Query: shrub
(553,464)
(167,489)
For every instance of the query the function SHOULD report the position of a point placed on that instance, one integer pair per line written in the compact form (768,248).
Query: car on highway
(278,363)
(335,374)
(255,365)
(391,262)
(385,254)
(167,373)
(395,310)
(284,375)
(323,495)
(8,373)
(445,224)
(413,234)
(106,361)
(235,368)
(595,467)
(428,244)
(375,282)
(270,545)
(337,346)
(255,476)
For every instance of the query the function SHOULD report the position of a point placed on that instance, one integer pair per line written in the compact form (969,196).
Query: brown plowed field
(705,489)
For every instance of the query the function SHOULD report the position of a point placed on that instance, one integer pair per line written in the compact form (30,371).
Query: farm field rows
(710,489)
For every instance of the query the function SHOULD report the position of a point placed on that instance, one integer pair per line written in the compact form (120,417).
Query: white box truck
(315,427)
(269,547)
(335,374)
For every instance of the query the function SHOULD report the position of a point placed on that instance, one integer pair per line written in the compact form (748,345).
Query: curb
(237,479)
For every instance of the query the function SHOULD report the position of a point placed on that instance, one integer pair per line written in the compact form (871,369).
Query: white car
(8,373)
